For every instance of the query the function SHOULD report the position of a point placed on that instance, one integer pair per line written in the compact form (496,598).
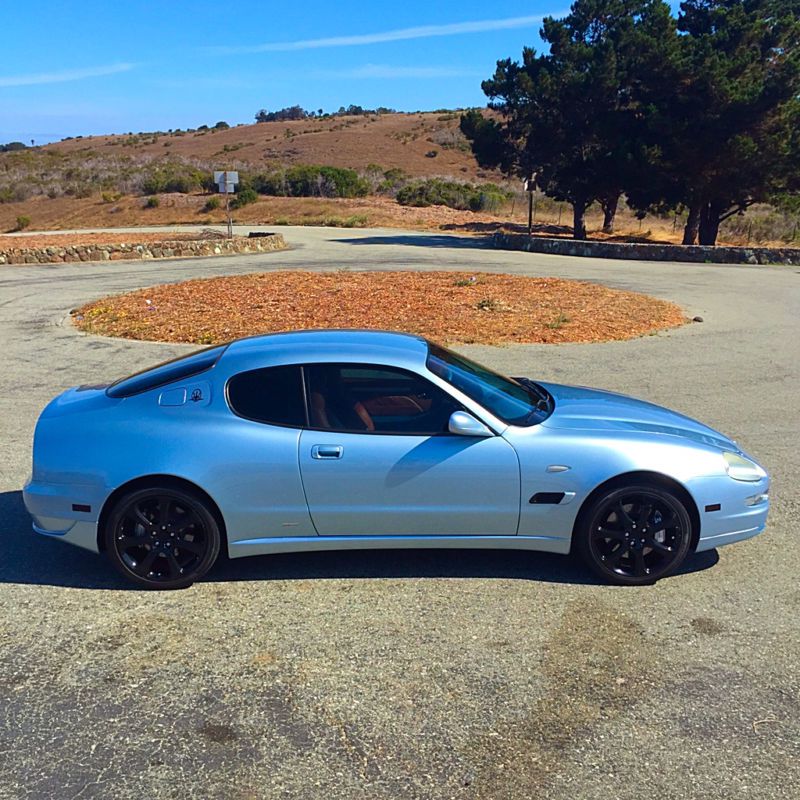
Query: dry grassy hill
(102,181)
(420,144)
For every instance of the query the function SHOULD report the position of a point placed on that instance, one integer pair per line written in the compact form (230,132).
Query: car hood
(581,408)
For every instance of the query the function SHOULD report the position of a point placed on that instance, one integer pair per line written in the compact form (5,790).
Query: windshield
(162,374)
(509,399)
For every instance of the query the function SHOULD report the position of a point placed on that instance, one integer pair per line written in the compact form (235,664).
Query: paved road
(414,675)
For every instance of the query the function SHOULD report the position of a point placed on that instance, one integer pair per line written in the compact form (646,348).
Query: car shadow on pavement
(39,560)
(421,240)
(29,558)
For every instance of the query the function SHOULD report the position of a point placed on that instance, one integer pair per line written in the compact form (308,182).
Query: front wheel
(162,538)
(635,534)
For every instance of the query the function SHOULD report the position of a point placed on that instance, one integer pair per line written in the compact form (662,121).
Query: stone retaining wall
(721,254)
(175,248)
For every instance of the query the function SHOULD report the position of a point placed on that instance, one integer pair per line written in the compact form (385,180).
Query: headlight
(742,469)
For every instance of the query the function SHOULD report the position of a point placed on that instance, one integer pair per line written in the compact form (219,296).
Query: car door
(377,459)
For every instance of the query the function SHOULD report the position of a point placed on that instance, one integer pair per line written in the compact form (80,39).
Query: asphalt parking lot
(414,674)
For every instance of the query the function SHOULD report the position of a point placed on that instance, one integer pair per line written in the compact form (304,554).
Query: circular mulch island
(451,307)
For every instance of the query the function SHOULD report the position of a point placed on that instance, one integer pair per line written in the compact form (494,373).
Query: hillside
(420,144)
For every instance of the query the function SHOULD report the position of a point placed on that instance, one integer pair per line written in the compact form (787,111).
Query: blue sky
(87,66)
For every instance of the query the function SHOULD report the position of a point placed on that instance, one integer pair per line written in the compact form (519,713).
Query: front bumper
(52,508)
(742,512)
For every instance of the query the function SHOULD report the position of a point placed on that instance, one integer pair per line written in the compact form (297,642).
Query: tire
(161,537)
(635,534)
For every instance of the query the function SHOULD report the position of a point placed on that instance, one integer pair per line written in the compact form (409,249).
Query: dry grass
(391,140)
(187,209)
(64,213)
(455,307)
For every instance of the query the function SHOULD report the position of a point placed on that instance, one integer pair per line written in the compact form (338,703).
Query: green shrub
(22,223)
(244,197)
(152,202)
(175,177)
(312,181)
(393,179)
(488,197)
(461,196)
(212,204)
(270,183)
(435,192)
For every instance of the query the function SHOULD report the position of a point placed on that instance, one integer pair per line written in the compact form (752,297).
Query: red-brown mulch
(454,307)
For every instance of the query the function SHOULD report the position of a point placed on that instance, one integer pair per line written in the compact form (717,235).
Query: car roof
(328,345)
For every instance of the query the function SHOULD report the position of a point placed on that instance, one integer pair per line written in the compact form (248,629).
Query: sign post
(226,181)
(530,185)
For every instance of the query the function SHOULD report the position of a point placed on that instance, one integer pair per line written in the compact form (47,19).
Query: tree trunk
(709,223)
(579,219)
(692,224)
(609,206)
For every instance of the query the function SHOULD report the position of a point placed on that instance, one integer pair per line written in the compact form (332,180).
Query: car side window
(273,395)
(375,399)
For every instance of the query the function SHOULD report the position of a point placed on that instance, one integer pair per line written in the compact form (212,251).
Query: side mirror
(464,424)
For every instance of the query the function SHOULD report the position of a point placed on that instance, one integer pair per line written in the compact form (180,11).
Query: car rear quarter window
(273,395)
(177,369)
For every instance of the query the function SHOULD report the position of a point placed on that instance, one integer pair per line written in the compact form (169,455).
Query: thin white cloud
(205,83)
(420,32)
(388,72)
(64,75)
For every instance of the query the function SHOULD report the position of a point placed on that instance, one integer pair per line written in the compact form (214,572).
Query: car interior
(377,399)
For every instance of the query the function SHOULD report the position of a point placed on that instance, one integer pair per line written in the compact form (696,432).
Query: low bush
(244,197)
(461,196)
(174,176)
(212,204)
(152,202)
(393,179)
(304,180)
(22,223)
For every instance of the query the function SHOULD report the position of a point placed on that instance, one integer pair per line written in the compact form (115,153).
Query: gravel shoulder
(414,674)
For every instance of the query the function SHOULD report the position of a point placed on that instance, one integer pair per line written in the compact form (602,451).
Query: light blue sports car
(319,440)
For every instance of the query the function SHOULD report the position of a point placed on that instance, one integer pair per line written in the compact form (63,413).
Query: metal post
(228,205)
(530,214)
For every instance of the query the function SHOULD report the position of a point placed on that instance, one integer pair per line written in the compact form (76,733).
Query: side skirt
(273,544)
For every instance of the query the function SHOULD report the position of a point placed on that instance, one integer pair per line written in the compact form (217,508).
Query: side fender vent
(547,498)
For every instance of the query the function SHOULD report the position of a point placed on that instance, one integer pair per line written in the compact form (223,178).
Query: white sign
(226,177)
(227,188)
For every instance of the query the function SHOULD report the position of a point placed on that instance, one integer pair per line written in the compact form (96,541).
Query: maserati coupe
(337,440)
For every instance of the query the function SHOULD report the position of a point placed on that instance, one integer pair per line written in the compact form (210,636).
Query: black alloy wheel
(635,535)
(162,538)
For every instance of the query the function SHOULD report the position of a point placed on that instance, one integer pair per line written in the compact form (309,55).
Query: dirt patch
(594,669)
(707,626)
(455,307)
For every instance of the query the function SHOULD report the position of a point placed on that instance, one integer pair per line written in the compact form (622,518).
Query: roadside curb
(720,254)
(141,251)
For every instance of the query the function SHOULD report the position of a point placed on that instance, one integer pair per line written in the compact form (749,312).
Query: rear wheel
(635,534)
(162,538)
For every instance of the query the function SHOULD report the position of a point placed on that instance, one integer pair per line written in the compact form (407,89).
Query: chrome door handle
(326,451)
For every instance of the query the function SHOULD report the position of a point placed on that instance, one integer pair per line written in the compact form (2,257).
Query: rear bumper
(51,507)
